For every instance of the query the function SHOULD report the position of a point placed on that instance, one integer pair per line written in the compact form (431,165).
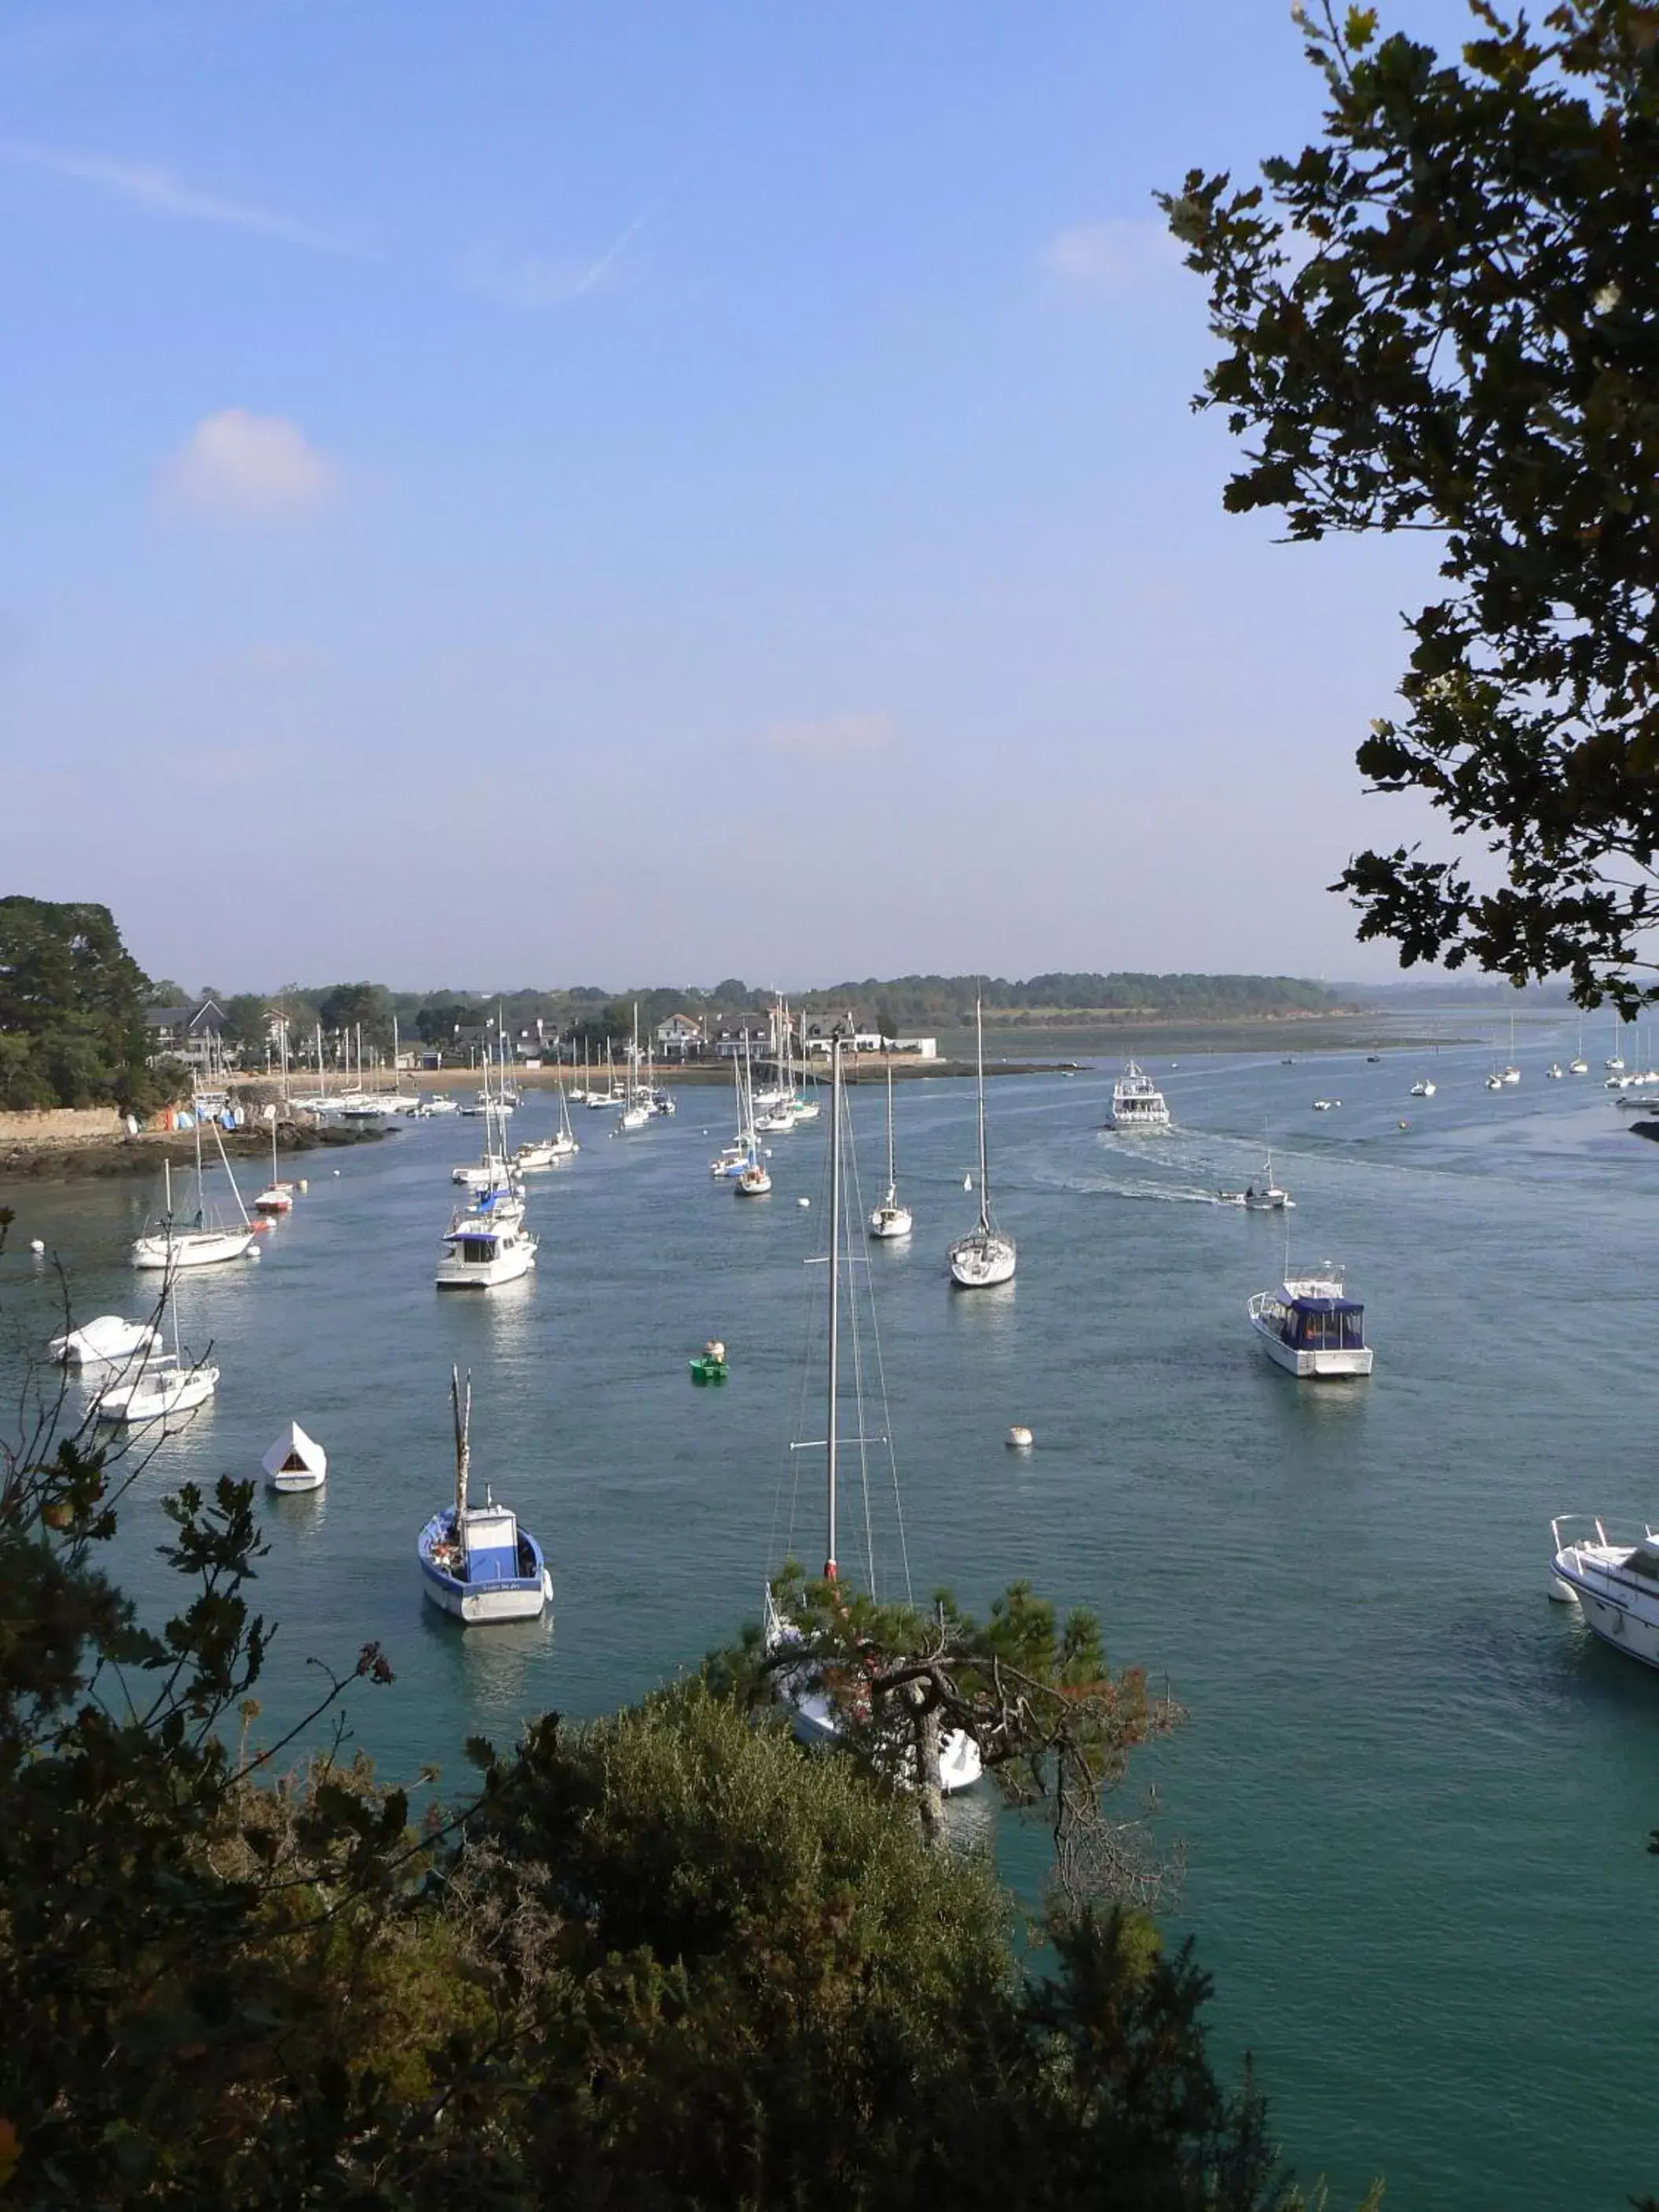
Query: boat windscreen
(1644,1561)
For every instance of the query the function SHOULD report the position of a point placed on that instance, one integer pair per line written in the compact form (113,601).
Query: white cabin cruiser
(1137,1102)
(1311,1327)
(485,1245)
(476,1561)
(1614,1579)
(1424,1089)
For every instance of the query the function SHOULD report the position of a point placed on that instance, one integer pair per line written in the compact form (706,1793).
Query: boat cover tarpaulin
(1325,1306)
(293,1452)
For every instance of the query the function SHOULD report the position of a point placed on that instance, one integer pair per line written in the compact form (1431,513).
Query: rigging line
(856,1212)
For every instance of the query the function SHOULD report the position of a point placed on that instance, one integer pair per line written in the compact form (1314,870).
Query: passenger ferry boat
(1137,1102)
(1613,1580)
(1312,1328)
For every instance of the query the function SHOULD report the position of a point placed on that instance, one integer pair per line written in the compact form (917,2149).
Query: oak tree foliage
(1444,317)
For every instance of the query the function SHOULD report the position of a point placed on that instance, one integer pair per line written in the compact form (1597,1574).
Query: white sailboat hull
(483,1606)
(980,1261)
(155,1394)
(890,1221)
(193,1247)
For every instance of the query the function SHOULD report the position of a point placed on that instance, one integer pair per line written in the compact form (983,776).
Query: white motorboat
(1264,1196)
(108,1341)
(476,1561)
(987,1255)
(890,1217)
(1424,1089)
(1326,1105)
(486,1245)
(1555,1073)
(1137,1102)
(816,1716)
(1311,1327)
(295,1462)
(1612,1578)
(441,1102)
(201,1242)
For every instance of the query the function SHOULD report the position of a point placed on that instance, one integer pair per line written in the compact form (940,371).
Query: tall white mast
(834,1296)
(978,1041)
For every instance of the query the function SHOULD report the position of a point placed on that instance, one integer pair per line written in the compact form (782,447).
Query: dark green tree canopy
(1444,317)
(72,1002)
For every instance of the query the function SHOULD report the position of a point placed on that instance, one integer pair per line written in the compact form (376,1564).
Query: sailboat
(636,1110)
(277,1196)
(1511,1072)
(817,1723)
(731,1159)
(890,1217)
(548,1151)
(1579,1065)
(202,1242)
(476,1561)
(753,1178)
(986,1255)
(158,1387)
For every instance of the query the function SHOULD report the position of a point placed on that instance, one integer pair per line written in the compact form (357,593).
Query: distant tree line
(72,1001)
(440,1018)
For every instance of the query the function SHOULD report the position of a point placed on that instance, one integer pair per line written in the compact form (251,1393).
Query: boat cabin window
(1327,1329)
(1645,1560)
(477,1250)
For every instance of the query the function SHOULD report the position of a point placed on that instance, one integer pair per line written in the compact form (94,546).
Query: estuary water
(1413,1796)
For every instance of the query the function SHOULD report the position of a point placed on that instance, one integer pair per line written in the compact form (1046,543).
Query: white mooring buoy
(1018,1438)
(37,1243)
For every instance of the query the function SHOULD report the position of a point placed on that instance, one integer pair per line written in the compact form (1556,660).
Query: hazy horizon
(487,488)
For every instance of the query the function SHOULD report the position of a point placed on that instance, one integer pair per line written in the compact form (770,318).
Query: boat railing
(1568,1529)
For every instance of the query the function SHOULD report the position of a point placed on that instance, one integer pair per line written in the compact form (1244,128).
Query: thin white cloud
(833,737)
(246,466)
(155,190)
(533,282)
(1111,257)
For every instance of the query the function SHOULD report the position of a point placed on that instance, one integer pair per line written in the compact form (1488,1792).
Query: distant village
(198,1035)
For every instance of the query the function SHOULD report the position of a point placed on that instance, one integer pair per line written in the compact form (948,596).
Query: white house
(679,1038)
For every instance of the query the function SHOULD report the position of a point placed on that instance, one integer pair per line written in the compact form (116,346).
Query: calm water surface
(1415,1797)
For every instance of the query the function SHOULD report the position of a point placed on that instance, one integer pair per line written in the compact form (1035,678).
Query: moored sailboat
(476,1561)
(987,1255)
(813,1696)
(890,1217)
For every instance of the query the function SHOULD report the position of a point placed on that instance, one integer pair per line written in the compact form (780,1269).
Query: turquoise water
(1414,1798)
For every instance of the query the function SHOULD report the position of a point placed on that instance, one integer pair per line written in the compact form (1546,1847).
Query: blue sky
(531,493)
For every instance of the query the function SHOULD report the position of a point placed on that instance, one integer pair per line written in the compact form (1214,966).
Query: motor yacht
(1612,1578)
(1137,1102)
(475,1560)
(486,1244)
(1311,1327)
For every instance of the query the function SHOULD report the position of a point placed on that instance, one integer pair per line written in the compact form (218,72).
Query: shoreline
(66,1160)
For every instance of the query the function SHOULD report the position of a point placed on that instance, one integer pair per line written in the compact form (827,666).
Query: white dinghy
(295,1462)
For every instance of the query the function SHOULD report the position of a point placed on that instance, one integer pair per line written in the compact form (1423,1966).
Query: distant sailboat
(890,1217)
(986,1255)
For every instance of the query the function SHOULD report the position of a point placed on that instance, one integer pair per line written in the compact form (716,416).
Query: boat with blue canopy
(1312,1328)
(476,1561)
